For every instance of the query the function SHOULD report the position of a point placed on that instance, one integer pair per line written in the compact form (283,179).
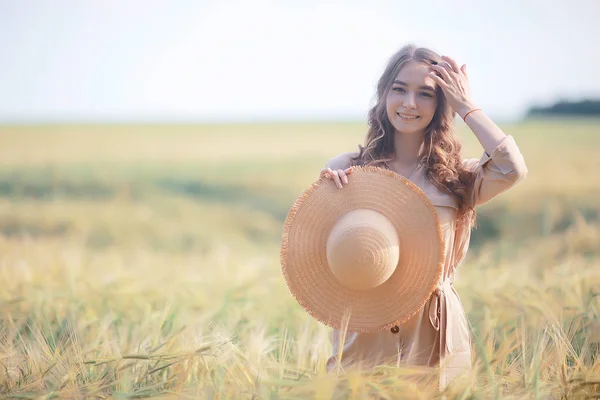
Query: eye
(399,89)
(426,94)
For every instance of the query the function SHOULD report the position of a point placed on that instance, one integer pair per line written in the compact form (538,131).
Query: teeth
(407,117)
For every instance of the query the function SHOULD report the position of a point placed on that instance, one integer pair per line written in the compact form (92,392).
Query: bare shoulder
(341,161)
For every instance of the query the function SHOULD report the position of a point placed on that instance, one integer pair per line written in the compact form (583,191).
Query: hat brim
(303,250)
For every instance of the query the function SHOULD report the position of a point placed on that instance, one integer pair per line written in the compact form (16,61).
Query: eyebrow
(425,87)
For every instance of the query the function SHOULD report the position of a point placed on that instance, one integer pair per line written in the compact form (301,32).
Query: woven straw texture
(304,260)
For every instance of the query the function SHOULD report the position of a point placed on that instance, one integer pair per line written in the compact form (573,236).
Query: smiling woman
(411,132)
(412,124)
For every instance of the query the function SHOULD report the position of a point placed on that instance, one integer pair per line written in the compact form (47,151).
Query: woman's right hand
(339,176)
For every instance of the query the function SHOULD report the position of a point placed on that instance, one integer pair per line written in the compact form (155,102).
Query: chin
(409,128)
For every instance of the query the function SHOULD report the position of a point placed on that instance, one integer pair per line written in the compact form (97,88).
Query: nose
(410,101)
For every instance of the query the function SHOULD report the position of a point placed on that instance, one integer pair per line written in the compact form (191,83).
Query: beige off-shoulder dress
(438,334)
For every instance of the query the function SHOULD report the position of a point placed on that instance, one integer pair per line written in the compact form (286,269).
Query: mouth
(408,117)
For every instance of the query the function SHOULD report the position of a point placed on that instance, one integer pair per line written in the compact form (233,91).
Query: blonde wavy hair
(441,151)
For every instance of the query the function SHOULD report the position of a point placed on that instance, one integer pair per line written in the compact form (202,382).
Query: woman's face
(412,100)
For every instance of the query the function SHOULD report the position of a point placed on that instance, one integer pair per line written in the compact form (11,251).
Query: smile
(407,117)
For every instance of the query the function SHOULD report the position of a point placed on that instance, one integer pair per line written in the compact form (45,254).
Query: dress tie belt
(438,312)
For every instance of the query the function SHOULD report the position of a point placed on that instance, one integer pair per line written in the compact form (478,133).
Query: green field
(142,261)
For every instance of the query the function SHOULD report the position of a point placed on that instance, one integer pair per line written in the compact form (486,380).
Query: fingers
(442,71)
(336,177)
(452,63)
(446,66)
(438,80)
(451,66)
(340,177)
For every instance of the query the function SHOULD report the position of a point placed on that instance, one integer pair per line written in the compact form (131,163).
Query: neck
(407,148)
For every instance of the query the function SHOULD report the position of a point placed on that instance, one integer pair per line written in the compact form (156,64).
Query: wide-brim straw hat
(364,257)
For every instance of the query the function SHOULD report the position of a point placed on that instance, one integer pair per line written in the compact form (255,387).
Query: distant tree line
(568,108)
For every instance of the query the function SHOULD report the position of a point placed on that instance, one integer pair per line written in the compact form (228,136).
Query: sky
(260,60)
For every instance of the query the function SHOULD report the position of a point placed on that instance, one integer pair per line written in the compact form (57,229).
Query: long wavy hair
(441,154)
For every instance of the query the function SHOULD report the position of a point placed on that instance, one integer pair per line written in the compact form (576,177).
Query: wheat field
(142,261)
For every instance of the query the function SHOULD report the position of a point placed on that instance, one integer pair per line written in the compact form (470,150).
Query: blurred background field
(142,260)
(169,186)
(144,185)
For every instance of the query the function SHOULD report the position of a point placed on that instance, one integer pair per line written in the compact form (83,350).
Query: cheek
(391,104)
(391,101)
(430,106)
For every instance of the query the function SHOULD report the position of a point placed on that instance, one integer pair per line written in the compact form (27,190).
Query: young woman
(411,133)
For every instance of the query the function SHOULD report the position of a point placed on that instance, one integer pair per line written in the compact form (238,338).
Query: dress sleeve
(496,172)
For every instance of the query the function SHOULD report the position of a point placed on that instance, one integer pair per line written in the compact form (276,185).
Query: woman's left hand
(454,83)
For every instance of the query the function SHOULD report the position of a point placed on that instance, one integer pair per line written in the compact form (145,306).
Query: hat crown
(363,249)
